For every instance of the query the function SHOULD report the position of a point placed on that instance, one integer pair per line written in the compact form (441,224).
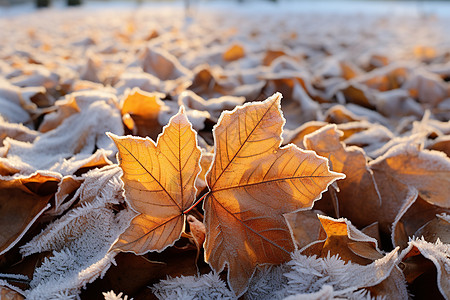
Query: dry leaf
(161,64)
(435,252)
(159,184)
(358,197)
(342,238)
(22,201)
(16,131)
(406,170)
(252,184)
(438,228)
(140,111)
(305,226)
(414,215)
(65,108)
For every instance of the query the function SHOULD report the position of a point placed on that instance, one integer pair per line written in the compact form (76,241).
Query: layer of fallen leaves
(339,190)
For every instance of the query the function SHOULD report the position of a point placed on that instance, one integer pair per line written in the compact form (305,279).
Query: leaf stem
(195,203)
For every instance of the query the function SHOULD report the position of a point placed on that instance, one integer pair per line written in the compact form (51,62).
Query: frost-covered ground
(379,70)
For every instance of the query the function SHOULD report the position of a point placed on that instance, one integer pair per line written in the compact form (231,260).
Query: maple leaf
(253,183)
(159,184)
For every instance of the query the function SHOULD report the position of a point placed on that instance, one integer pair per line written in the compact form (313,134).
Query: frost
(310,274)
(80,240)
(76,138)
(208,286)
(439,254)
(112,296)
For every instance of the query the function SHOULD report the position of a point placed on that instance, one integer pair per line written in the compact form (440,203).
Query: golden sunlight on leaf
(140,112)
(159,184)
(253,183)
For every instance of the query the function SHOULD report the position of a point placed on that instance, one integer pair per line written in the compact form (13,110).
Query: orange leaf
(140,112)
(159,184)
(342,238)
(235,52)
(253,183)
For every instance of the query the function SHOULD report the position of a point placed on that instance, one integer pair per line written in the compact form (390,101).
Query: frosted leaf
(161,63)
(214,106)
(81,220)
(80,240)
(309,274)
(16,131)
(267,283)
(138,79)
(76,138)
(439,254)
(204,287)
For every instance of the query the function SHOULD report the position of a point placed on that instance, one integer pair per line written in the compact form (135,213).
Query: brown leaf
(438,228)
(65,108)
(159,184)
(405,171)
(252,184)
(198,232)
(437,253)
(302,131)
(358,198)
(22,201)
(161,64)
(305,226)
(412,218)
(342,238)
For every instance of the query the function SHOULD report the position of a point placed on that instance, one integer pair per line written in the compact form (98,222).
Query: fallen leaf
(405,171)
(140,111)
(161,64)
(438,228)
(305,226)
(159,184)
(22,201)
(413,217)
(358,198)
(16,131)
(234,52)
(252,184)
(65,108)
(198,232)
(437,253)
(340,237)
